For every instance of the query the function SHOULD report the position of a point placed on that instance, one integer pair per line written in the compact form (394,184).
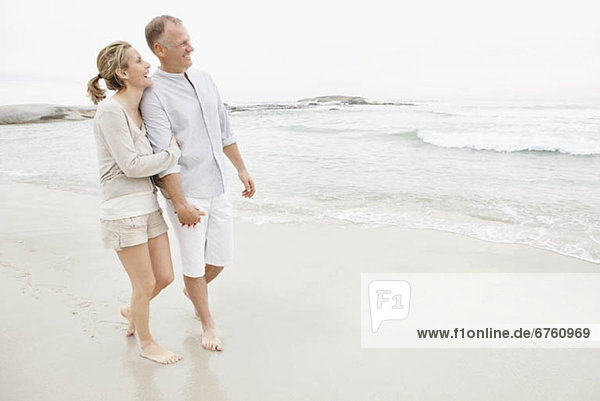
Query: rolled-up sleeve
(227,135)
(158,127)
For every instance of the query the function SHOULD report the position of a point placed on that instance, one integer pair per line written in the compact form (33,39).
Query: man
(186,102)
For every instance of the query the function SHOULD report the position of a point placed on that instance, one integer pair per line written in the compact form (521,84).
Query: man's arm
(233,154)
(230,147)
(158,128)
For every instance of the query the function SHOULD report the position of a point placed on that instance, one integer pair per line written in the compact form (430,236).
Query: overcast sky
(259,50)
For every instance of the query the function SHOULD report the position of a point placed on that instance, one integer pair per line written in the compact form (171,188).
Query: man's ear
(158,49)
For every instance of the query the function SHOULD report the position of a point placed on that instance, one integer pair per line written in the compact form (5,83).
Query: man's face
(176,49)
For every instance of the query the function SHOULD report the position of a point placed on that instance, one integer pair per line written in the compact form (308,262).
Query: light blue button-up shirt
(193,111)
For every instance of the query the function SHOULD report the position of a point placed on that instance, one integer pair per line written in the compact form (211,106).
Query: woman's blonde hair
(110,59)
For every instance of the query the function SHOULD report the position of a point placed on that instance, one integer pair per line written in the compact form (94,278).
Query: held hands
(189,215)
(249,188)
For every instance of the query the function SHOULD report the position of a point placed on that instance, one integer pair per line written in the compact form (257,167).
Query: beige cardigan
(126,163)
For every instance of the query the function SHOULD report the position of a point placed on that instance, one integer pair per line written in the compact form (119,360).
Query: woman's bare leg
(138,265)
(162,268)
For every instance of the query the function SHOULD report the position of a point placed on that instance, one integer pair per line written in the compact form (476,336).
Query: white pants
(211,241)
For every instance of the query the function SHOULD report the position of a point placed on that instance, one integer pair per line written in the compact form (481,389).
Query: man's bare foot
(126,313)
(156,353)
(210,341)
(188,295)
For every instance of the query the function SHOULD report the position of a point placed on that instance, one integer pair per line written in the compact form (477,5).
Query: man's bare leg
(197,291)
(211,271)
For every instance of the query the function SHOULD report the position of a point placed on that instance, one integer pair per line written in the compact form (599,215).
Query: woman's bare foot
(156,353)
(188,295)
(210,341)
(126,313)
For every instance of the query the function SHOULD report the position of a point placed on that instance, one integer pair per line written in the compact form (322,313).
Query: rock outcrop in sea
(39,113)
(347,100)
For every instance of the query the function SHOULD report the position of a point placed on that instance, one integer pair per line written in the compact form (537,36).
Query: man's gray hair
(156,28)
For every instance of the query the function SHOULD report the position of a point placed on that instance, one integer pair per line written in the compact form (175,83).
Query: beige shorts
(130,231)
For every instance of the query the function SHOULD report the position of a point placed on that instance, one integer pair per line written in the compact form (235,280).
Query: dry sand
(288,312)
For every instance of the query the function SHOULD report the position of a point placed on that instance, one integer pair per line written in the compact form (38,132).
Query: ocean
(519,172)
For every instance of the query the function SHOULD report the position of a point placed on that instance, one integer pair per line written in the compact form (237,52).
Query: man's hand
(232,152)
(249,188)
(188,215)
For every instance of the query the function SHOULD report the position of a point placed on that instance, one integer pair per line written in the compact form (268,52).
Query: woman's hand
(189,215)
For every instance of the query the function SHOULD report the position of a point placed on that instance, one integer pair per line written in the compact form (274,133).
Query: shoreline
(350,225)
(89,211)
(356,226)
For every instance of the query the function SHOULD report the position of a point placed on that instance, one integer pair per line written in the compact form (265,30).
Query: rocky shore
(39,113)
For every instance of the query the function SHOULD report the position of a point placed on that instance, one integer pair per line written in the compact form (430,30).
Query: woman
(131,219)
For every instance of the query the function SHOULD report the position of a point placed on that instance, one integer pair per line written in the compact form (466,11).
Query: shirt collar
(170,74)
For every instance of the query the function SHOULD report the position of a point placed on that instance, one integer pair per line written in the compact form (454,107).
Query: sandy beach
(414,185)
(288,312)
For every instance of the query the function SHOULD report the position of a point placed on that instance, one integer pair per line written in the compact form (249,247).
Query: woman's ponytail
(95,92)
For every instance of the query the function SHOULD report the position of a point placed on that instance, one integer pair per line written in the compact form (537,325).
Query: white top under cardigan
(126,163)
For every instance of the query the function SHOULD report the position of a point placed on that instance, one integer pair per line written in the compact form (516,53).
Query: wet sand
(288,312)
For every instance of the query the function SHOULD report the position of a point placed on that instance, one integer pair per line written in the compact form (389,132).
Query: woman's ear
(121,74)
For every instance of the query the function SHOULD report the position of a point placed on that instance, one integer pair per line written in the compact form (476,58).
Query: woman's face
(136,74)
